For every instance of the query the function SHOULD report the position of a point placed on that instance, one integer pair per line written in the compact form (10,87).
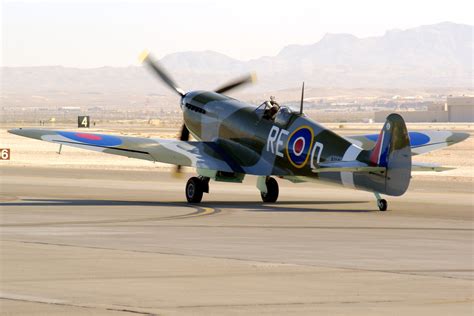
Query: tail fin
(392,151)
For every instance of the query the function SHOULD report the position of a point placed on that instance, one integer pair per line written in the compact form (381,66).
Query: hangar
(460,109)
(456,109)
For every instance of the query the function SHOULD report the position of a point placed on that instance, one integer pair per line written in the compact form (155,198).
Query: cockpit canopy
(282,116)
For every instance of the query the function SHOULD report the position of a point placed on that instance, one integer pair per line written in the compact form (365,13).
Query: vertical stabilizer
(392,150)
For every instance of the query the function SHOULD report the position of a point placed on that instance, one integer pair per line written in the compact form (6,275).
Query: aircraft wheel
(194,190)
(382,204)
(272,191)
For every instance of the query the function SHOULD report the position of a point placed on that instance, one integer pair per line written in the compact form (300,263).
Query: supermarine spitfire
(235,139)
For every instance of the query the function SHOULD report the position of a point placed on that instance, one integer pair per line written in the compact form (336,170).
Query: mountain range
(439,55)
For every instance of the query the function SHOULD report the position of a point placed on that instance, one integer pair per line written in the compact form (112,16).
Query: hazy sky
(98,33)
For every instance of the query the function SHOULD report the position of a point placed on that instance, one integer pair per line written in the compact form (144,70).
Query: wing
(204,155)
(421,142)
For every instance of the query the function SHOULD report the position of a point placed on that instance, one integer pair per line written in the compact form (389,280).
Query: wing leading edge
(192,154)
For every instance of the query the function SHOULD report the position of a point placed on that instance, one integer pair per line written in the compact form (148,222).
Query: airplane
(234,139)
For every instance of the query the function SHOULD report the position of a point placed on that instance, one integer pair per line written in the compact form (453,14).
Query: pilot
(271,109)
(273,102)
(274,108)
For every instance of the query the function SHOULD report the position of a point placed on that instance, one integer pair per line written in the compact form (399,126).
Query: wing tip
(458,137)
(15,131)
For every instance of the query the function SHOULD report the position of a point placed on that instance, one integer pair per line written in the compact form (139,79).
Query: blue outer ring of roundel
(93,139)
(299,161)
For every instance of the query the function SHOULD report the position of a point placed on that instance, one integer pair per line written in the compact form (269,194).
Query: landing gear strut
(195,187)
(381,203)
(272,191)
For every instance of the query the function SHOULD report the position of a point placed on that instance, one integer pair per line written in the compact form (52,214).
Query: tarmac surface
(93,242)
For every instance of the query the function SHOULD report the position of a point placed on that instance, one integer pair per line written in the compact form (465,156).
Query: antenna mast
(302,97)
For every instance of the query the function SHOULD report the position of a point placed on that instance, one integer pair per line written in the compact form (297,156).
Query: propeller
(156,67)
(184,136)
(250,78)
(160,71)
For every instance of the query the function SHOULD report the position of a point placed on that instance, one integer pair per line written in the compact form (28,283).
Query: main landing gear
(195,187)
(381,203)
(272,191)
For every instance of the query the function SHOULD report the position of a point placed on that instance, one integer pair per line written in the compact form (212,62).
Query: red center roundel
(299,146)
(88,136)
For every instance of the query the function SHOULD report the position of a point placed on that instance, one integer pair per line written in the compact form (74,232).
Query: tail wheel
(272,191)
(382,204)
(194,190)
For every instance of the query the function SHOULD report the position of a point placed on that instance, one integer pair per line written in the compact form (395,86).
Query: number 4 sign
(83,122)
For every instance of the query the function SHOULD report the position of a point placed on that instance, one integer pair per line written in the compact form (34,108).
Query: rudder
(393,151)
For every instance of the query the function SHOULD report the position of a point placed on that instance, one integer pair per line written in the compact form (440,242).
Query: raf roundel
(93,139)
(299,146)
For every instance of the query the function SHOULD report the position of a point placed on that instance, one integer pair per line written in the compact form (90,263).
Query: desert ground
(84,233)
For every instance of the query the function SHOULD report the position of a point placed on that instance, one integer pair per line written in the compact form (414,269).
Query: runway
(83,241)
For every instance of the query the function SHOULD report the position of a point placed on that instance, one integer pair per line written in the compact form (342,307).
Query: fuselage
(291,143)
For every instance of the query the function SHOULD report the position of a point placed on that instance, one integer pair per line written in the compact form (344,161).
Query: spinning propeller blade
(184,133)
(184,136)
(159,70)
(250,78)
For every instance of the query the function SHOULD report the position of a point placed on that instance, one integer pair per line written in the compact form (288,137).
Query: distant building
(456,109)
(70,108)
(460,109)
(441,106)
(415,116)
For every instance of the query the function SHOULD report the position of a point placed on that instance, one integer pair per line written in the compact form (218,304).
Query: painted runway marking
(200,212)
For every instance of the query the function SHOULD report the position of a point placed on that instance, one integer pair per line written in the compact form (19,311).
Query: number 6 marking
(5,154)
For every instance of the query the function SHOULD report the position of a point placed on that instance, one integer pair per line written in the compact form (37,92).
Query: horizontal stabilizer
(357,166)
(348,166)
(421,142)
(420,166)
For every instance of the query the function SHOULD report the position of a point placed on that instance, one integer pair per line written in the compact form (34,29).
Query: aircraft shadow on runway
(87,202)
(252,206)
(286,206)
